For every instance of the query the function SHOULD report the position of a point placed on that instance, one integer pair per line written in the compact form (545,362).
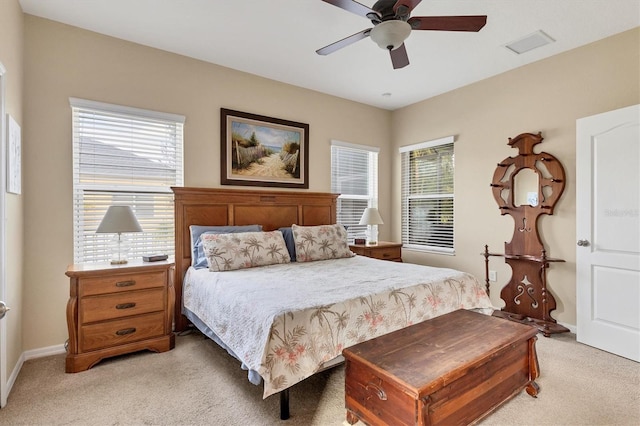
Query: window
(354,175)
(427,195)
(124,155)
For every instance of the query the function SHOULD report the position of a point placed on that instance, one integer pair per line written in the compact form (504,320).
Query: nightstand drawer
(118,305)
(386,253)
(111,333)
(383,251)
(123,282)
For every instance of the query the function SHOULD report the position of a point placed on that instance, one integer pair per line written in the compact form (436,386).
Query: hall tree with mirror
(525,187)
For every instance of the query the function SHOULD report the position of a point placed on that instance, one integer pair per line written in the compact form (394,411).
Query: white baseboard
(42,352)
(14,374)
(32,354)
(572,328)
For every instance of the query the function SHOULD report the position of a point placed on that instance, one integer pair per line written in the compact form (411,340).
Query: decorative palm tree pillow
(228,252)
(198,259)
(320,242)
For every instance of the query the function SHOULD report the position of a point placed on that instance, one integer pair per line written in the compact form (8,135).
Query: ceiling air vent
(530,42)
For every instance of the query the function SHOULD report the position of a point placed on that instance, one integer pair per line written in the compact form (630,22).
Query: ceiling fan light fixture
(390,35)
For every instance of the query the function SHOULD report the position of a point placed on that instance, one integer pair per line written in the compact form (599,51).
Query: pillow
(228,252)
(320,242)
(287,233)
(198,259)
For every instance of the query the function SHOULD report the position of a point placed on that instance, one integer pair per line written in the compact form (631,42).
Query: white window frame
(151,199)
(408,240)
(354,230)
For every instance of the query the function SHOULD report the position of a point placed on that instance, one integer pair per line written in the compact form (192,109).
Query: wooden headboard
(218,207)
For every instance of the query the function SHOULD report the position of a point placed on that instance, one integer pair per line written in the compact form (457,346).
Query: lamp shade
(390,34)
(119,219)
(371,216)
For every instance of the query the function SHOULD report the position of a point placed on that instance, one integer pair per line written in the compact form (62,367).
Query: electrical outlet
(493,276)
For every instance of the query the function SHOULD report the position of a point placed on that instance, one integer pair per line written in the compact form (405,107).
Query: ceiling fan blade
(403,8)
(354,7)
(399,57)
(344,42)
(448,23)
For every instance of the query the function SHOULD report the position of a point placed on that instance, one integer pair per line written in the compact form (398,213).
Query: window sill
(420,249)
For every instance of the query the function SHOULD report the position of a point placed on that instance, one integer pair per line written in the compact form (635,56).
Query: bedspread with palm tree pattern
(285,321)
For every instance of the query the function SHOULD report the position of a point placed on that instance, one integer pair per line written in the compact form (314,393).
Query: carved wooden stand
(526,296)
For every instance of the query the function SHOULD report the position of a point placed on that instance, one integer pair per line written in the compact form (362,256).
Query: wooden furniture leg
(351,418)
(284,404)
(534,369)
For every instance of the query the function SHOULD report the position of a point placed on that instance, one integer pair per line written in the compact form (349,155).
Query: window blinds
(354,175)
(129,156)
(428,195)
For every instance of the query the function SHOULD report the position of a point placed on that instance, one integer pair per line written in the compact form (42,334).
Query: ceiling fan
(392,24)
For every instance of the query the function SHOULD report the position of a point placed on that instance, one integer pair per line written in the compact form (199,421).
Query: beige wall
(63,61)
(547,96)
(11,54)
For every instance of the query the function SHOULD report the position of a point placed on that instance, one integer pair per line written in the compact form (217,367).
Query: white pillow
(228,252)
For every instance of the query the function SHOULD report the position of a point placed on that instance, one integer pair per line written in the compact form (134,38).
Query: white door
(608,231)
(3,326)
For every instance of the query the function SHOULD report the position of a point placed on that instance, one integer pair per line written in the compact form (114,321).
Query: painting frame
(14,156)
(257,150)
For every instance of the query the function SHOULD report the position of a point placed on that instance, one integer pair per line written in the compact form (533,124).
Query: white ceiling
(277,39)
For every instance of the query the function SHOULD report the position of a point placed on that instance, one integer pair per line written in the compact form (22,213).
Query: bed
(287,321)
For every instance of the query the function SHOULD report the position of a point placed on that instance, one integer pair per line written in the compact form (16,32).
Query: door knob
(583,243)
(3,309)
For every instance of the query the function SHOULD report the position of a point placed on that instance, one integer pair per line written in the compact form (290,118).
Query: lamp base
(372,235)
(119,248)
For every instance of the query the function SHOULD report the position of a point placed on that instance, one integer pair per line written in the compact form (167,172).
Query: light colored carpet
(198,383)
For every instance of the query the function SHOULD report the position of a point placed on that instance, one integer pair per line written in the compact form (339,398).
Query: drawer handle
(379,391)
(125,305)
(126,331)
(386,255)
(125,283)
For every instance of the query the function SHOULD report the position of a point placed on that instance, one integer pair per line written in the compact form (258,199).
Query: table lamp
(119,220)
(371,218)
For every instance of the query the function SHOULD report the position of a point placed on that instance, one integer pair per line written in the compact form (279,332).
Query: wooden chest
(451,370)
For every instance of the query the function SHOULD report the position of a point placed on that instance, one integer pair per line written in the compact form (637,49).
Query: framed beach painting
(263,151)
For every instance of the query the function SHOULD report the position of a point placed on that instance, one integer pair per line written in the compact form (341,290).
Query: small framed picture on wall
(14,156)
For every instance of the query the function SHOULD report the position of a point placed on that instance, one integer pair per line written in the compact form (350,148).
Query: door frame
(4,388)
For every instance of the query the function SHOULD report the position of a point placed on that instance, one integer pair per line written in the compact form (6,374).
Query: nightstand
(383,250)
(118,309)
